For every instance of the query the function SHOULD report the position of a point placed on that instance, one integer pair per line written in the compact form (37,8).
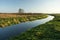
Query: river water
(22,27)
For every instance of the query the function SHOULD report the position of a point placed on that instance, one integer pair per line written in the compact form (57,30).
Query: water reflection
(17,29)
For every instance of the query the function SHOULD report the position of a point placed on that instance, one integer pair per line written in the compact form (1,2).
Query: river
(22,27)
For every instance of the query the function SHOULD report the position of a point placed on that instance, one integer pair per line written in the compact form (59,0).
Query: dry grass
(13,15)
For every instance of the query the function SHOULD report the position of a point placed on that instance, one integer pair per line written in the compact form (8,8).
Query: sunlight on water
(19,28)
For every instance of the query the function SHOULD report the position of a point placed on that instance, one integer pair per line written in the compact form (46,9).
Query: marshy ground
(13,19)
(47,31)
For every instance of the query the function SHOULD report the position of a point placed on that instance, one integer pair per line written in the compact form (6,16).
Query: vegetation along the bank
(12,19)
(47,31)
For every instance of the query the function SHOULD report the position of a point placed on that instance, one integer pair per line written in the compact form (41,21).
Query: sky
(34,6)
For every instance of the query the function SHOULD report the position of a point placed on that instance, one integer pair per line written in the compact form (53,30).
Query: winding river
(22,27)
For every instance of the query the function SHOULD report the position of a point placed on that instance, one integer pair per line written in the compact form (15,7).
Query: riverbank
(47,31)
(13,19)
(17,29)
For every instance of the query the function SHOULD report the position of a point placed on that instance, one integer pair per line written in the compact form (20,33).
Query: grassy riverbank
(47,31)
(13,19)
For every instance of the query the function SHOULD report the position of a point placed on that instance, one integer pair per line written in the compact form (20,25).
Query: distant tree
(21,10)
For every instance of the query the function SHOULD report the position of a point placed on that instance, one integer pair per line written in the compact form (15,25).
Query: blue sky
(42,6)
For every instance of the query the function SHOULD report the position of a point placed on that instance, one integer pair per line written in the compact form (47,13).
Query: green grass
(5,22)
(47,31)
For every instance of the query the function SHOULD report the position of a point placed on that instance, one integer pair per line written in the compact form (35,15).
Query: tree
(21,10)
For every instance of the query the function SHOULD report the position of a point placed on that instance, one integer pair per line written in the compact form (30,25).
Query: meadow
(8,19)
(47,31)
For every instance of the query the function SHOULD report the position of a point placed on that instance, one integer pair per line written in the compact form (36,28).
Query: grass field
(47,31)
(13,19)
